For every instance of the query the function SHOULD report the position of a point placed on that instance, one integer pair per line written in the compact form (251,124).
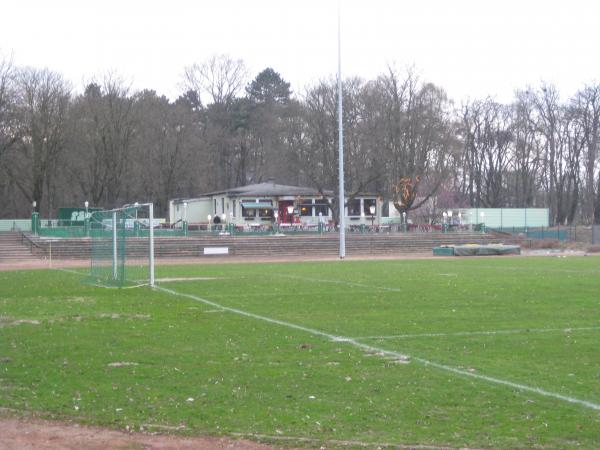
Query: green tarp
(490,249)
(477,250)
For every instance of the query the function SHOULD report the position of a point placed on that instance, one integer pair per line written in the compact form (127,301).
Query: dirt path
(44,435)
(83,263)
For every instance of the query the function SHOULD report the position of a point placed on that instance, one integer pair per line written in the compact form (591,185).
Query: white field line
(544,270)
(278,294)
(480,333)
(178,279)
(62,269)
(388,353)
(345,283)
(241,312)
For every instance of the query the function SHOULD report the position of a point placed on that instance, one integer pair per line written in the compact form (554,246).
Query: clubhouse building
(263,204)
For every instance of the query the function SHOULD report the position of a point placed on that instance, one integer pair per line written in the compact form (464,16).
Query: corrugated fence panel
(538,217)
(508,217)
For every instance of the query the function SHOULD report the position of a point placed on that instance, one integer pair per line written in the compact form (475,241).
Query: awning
(259,205)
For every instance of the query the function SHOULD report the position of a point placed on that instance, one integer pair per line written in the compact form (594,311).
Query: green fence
(62,232)
(554,233)
(64,229)
(61,228)
(83,231)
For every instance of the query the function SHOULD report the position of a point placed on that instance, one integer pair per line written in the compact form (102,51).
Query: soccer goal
(122,246)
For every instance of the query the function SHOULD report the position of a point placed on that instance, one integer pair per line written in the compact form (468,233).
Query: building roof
(269,189)
(187,199)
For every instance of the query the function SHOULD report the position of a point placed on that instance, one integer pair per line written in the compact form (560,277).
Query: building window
(266,209)
(265,213)
(222,205)
(385,209)
(264,206)
(354,207)
(322,207)
(306,208)
(248,213)
(233,208)
(368,203)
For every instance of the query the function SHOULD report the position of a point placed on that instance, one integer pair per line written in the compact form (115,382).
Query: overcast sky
(472,48)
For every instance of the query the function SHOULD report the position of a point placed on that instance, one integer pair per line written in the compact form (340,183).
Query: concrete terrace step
(13,247)
(265,246)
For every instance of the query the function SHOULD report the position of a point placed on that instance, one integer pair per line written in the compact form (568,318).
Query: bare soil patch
(82,263)
(20,433)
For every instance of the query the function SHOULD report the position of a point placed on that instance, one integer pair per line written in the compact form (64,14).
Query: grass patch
(135,357)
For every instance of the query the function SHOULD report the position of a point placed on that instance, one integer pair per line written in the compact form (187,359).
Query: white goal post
(122,245)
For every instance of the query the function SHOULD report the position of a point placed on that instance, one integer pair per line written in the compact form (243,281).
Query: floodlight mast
(342,200)
(151,235)
(115,247)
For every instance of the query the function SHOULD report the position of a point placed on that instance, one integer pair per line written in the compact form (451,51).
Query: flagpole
(341,194)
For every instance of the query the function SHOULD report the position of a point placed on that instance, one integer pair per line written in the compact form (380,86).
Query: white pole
(151,214)
(114,236)
(341,145)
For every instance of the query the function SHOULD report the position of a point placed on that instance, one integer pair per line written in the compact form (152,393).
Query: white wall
(198,210)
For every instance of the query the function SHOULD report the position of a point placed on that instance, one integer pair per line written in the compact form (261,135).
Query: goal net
(122,246)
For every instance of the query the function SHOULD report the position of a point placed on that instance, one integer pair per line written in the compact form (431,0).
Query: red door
(284,216)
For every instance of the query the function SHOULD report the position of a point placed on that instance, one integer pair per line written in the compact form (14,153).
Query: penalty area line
(387,353)
(479,333)
(62,269)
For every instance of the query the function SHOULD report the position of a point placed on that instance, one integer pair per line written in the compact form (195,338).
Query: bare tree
(527,159)
(165,145)
(316,142)
(403,141)
(9,136)
(221,80)
(547,104)
(417,137)
(487,128)
(570,167)
(42,106)
(220,77)
(103,128)
(315,155)
(562,140)
(587,107)
(9,131)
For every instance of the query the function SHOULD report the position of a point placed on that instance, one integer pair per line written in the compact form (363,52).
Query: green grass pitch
(482,352)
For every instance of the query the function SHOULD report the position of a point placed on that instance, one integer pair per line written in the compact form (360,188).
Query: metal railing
(15,225)
(67,229)
(558,233)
